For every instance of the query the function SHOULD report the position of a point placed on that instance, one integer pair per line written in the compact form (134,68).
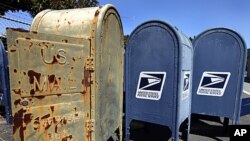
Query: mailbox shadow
(245,107)
(143,131)
(2,110)
(209,126)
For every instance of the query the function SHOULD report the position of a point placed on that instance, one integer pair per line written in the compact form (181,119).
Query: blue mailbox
(157,79)
(219,64)
(4,82)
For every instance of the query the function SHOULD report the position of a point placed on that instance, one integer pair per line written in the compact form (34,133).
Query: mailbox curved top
(80,23)
(223,30)
(182,38)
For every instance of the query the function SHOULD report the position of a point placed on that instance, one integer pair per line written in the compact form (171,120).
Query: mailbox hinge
(90,123)
(90,64)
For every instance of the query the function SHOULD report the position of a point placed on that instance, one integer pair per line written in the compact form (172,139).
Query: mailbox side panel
(219,61)
(50,89)
(109,76)
(4,83)
(151,74)
(185,80)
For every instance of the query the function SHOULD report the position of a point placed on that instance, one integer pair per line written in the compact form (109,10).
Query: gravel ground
(5,130)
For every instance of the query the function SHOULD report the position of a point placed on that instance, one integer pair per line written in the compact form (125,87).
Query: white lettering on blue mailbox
(213,83)
(186,85)
(150,85)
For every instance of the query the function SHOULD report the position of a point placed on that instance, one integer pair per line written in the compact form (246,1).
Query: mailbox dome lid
(79,23)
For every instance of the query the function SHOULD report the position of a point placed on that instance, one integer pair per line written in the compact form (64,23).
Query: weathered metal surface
(49,88)
(67,75)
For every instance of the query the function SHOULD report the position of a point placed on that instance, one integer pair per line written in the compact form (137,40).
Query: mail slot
(4,83)
(158,72)
(219,63)
(66,75)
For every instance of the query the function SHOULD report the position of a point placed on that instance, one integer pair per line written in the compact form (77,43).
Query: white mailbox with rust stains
(66,76)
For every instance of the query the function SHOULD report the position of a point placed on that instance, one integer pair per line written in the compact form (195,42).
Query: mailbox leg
(127,129)
(226,123)
(175,133)
(188,129)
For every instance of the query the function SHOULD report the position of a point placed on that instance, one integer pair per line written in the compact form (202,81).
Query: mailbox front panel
(49,85)
(219,62)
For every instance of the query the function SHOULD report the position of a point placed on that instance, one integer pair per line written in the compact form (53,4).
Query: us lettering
(46,83)
(50,55)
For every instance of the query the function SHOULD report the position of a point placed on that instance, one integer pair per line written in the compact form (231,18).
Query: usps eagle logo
(150,85)
(213,83)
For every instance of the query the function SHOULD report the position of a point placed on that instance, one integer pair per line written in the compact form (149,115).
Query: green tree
(35,6)
(125,39)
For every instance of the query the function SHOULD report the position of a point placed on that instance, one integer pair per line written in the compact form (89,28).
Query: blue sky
(190,16)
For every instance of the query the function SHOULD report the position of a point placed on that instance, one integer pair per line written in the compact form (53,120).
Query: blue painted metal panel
(219,63)
(158,68)
(4,76)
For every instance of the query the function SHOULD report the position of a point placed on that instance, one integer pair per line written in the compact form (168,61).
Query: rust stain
(86,80)
(97,13)
(46,116)
(65,41)
(33,74)
(64,121)
(67,137)
(18,123)
(52,108)
(41,52)
(17,91)
(39,97)
(19,30)
(32,92)
(16,102)
(36,123)
(54,60)
(13,50)
(31,44)
(27,118)
(34,32)
(52,79)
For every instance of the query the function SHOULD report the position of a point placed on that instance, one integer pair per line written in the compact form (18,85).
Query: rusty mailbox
(66,76)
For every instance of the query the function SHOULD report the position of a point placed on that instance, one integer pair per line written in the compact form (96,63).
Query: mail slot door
(50,88)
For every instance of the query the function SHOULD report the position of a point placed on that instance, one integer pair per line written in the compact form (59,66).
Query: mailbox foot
(226,124)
